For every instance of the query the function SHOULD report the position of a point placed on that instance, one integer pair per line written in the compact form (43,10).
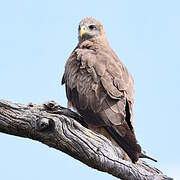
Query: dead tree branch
(64,130)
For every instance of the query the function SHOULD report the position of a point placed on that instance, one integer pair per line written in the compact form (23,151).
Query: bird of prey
(100,88)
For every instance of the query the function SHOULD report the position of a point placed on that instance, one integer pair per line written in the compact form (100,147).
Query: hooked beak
(83,31)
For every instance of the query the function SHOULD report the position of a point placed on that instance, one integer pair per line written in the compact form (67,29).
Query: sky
(37,37)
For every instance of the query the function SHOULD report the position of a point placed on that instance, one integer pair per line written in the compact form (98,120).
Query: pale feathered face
(89,28)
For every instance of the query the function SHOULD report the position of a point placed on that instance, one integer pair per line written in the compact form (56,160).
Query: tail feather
(128,143)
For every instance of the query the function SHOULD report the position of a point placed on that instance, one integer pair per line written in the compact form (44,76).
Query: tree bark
(66,131)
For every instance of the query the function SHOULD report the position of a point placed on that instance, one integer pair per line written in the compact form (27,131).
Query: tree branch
(65,130)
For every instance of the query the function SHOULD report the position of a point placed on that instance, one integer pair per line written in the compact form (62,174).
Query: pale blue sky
(36,38)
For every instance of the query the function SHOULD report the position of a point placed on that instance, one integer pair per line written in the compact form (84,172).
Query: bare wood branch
(60,128)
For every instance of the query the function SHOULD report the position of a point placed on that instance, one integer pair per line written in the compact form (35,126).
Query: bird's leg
(69,105)
(53,107)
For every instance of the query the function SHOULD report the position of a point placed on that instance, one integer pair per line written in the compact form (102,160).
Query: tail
(127,142)
(145,156)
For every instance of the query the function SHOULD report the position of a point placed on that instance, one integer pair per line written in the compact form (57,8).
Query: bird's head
(89,28)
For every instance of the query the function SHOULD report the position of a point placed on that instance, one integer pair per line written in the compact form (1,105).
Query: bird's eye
(92,27)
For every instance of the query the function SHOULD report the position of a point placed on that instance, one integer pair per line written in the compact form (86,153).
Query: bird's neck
(100,40)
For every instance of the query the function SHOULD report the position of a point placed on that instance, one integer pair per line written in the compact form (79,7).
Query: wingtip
(147,157)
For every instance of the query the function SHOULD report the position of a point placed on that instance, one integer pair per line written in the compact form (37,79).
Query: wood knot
(45,124)
(51,105)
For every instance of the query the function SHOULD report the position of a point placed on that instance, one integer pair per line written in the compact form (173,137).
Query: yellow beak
(83,31)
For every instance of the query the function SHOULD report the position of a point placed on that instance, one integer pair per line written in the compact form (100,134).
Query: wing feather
(99,80)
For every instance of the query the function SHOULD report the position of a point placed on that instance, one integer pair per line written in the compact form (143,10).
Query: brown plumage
(100,87)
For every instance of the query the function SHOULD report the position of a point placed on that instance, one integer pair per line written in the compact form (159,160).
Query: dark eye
(92,27)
